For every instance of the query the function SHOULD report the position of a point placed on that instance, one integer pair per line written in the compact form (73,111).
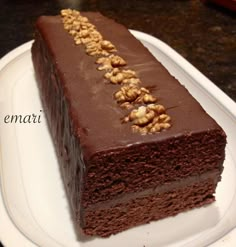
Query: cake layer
(214,177)
(110,220)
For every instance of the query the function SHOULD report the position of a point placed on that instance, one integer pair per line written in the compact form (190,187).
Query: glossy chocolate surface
(96,115)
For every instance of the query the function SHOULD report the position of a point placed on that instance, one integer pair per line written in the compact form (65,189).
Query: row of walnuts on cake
(146,116)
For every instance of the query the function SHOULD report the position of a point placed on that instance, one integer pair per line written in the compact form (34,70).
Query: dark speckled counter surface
(204,34)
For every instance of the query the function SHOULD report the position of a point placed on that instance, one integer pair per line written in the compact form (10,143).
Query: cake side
(58,120)
(142,167)
(99,158)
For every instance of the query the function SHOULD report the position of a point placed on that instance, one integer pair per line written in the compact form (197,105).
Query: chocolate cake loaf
(133,145)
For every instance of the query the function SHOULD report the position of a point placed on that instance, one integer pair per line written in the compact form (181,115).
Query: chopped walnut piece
(117,61)
(66,12)
(105,63)
(93,48)
(95,36)
(119,96)
(68,19)
(73,33)
(108,46)
(84,34)
(75,25)
(128,74)
(85,40)
(78,41)
(117,76)
(126,105)
(137,113)
(148,98)
(140,121)
(143,130)
(133,93)
(83,19)
(165,125)
(127,94)
(67,26)
(131,81)
(164,118)
(157,108)
(145,96)
(110,62)
(155,128)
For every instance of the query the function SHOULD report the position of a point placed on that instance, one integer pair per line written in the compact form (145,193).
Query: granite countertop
(204,34)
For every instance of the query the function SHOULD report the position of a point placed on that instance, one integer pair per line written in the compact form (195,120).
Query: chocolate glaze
(101,158)
(93,100)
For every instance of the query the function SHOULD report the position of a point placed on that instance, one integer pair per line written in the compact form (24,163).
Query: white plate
(32,189)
